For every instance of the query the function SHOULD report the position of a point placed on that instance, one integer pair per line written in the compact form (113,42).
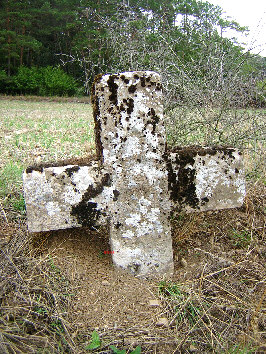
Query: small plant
(40,311)
(240,239)
(53,266)
(123,351)
(56,325)
(95,341)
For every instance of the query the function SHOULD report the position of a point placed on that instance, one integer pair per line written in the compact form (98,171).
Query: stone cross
(134,182)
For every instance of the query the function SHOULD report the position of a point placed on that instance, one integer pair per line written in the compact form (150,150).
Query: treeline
(182,39)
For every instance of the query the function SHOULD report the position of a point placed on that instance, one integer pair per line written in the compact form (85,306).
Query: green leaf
(95,341)
(137,350)
(117,351)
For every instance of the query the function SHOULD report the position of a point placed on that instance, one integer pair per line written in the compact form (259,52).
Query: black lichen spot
(134,268)
(117,225)
(130,104)
(112,88)
(84,161)
(204,200)
(236,170)
(136,77)
(86,212)
(182,185)
(69,171)
(116,195)
(132,88)
(142,80)
(34,168)
(153,121)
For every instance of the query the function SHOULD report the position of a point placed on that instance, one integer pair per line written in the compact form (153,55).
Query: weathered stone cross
(134,182)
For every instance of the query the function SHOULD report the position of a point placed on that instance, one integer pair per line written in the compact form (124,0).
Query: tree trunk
(22,47)
(9,42)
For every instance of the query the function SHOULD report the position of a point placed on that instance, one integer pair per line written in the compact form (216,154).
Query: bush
(28,80)
(3,77)
(55,82)
(48,81)
(7,85)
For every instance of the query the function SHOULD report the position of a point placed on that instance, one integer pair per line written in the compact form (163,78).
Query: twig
(4,213)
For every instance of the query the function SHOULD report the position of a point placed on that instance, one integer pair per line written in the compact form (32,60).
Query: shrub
(55,82)
(48,81)
(28,80)
(7,85)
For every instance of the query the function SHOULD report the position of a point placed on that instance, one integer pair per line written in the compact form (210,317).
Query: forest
(56,47)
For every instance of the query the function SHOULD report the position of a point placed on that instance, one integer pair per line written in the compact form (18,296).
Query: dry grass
(214,304)
(34,296)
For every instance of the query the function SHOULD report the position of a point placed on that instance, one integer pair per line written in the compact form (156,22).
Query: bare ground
(58,287)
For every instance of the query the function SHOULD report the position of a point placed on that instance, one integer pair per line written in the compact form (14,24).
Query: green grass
(34,132)
(185,308)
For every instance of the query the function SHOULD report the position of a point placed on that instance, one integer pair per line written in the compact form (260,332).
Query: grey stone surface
(203,179)
(131,137)
(65,197)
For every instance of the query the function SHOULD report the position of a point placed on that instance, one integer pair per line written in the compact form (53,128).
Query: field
(59,292)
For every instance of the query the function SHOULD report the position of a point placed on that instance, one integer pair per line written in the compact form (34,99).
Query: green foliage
(28,80)
(55,82)
(123,351)
(117,351)
(3,78)
(240,239)
(19,203)
(95,341)
(7,84)
(47,81)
